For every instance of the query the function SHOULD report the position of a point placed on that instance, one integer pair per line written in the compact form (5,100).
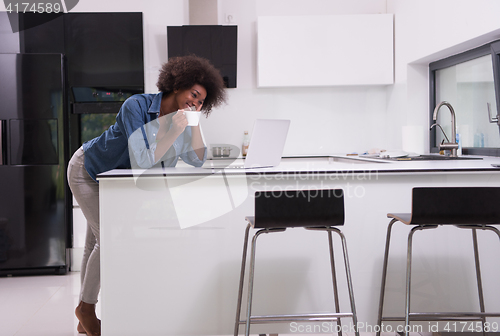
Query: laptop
(266,145)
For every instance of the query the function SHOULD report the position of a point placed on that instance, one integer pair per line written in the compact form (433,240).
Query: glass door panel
(469,88)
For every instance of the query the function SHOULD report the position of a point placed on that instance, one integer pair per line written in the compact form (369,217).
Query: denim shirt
(131,141)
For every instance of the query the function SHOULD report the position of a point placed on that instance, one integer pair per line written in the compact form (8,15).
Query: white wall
(425,31)
(324,120)
(348,119)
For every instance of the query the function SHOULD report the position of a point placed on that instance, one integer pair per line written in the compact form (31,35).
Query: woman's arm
(166,137)
(197,142)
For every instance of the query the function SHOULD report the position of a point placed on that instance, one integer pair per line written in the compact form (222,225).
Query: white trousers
(86,192)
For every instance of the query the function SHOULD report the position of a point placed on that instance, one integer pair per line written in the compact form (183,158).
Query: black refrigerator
(33,226)
(63,79)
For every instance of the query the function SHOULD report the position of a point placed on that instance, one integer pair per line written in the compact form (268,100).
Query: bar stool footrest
(466,316)
(291,318)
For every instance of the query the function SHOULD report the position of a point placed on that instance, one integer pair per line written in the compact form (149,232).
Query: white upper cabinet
(295,51)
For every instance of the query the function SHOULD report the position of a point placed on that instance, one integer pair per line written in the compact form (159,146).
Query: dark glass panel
(218,44)
(109,49)
(33,142)
(32,226)
(42,33)
(94,124)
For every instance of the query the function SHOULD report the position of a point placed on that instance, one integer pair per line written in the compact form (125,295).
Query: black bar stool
(470,208)
(275,211)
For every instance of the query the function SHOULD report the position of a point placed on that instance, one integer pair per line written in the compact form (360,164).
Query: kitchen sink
(431,157)
(372,159)
(331,159)
(353,160)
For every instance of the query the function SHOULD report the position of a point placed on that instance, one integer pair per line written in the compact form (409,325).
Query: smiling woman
(150,130)
(194,70)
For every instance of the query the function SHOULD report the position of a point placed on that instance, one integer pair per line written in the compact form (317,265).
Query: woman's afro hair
(181,73)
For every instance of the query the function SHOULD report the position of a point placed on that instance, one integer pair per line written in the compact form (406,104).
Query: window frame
(491,48)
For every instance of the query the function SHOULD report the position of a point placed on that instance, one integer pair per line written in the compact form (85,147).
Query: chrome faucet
(450,145)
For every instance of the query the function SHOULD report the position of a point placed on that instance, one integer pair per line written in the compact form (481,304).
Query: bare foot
(81,329)
(85,312)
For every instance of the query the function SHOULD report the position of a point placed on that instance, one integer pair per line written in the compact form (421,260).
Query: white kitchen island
(172,239)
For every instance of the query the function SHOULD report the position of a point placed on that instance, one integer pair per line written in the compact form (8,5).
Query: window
(470,82)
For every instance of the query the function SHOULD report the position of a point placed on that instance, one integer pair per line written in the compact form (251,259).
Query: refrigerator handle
(2,143)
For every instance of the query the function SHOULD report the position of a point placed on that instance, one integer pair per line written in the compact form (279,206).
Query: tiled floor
(44,305)
(39,305)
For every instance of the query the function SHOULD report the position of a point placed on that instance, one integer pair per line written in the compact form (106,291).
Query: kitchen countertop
(323,165)
(186,227)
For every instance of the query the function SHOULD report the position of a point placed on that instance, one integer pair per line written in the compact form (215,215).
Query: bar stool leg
(408,280)
(334,280)
(349,279)
(384,275)
(242,278)
(408,273)
(478,276)
(250,281)
(495,230)
(252,273)
(491,228)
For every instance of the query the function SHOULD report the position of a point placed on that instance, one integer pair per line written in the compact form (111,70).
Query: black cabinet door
(32,179)
(32,225)
(218,44)
(104,49)
(31,111)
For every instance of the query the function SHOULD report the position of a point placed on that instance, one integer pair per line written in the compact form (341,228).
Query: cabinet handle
(1,144)
(494,120)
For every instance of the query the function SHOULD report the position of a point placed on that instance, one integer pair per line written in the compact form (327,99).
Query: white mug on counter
(413,139)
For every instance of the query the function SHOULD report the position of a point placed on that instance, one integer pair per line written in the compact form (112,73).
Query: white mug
(193,117)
